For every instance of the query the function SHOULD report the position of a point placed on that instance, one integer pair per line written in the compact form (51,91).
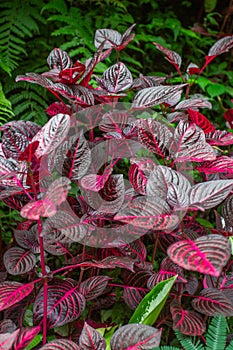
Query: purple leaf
(63,296)
(111,262)
(212,301)
(187,322)
(154,135)
(52,134)
(190,145)
(95,182)
(209,194)
(94,286)
(25,336)
(136,288)
(116,78)
(90,339)
(153,96)
(172,56)
(59,59)
(18,261)
(206,254)
(12,292)
(151,212)
(60,344)
(222,45)
(136,336)
(27,239)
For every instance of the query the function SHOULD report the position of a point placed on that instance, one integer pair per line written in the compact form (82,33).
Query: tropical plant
(81,217)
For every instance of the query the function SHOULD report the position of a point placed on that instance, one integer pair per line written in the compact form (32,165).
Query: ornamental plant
(126,204)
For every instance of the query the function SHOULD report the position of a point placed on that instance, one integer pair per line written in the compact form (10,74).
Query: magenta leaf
(12,292)
(172,56)
(151,212)
(139,172)
(95,182)
(222,45)
(206,254)
(187,322)
(18,261)
(116,78)
(220,138)
(27,239)
(90,339)
(17,311)
(7,340)
(154,135)
(59,59)
(212,301)
(25,336)
(222,164)
(62,295)
(153,96)
(136,336)
(94,286)
(189,144)
(60,344)
(52,134)
(209,194)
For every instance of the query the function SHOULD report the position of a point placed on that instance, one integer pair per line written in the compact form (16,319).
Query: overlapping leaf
(139,172)
(94,286)
(200,120)
(65,303)
(193,103)
(222,164)
(219,138)
(112,38)
(209,194)
(187,322)
(59,59)
(59,344)
(136,336)
(90,339)
(212,301)
(18,261)
(227,210)
(154,135)
(153,96)
(116,78)
(13,292)
(206,254)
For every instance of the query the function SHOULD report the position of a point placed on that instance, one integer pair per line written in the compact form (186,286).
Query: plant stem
(45,282)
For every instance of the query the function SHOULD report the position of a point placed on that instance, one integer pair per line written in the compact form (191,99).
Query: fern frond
(6,112)
(187,343)
(20,21)
(230,346)
(216,335)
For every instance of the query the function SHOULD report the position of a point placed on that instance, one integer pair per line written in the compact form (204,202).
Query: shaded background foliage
(29,30)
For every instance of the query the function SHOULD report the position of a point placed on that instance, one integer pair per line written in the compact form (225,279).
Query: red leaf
(172,56)
(29,151)
(201,121)
(222,164)
(12,292)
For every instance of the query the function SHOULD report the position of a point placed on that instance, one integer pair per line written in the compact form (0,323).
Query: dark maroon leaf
(172,56)
(65,303)
(192,69)
(12,292)
(94,286)
(148,212)
(207,254)
(153,96)
(29,151)
(136,288)
(116,78)
(135,250)
(154,135)
(187,322)
(212,301)
(136,336)
(60,344)
(7,326)
(17,311)
(59,59)
(90,339)
(18,261)
(27,239)
(222,45)
(209,194)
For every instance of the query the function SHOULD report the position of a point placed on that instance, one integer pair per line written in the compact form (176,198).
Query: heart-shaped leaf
(207,254)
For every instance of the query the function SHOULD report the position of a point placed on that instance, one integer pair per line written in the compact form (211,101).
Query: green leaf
(151,305)
(187,343)
(216,335)
(34,342)
(216,90)
(231,242)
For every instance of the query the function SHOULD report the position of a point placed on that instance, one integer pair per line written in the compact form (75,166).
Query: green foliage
(151,305)
(6,112)
(19,21)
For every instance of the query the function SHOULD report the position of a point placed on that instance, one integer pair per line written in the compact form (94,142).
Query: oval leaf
(59,344)
(90,339)
(18,261)
(13,292)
